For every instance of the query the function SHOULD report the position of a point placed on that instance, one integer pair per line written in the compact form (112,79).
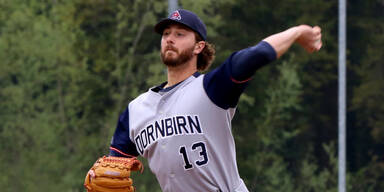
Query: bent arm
(121,144)
(306,36)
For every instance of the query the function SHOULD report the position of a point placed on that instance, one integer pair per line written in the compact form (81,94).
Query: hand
(112,174)
(310,38)
(92,175)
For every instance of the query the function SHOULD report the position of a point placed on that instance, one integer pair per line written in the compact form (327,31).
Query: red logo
(176,15)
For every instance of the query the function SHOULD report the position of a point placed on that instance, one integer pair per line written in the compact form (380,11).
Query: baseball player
(183,126)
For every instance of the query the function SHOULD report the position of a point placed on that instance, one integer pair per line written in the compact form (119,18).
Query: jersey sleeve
(225,83)
(121,144)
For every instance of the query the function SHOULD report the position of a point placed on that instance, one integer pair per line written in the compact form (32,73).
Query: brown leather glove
(112,174)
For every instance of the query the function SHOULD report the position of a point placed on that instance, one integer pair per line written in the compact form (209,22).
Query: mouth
(170,53)
(170,48)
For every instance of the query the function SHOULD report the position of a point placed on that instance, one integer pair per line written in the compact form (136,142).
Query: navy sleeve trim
(115,152)
(121,145)
(243,81)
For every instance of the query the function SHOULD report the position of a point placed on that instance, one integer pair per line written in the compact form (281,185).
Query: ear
(199,46)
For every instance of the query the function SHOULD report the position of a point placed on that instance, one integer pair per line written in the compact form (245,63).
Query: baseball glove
(112,174)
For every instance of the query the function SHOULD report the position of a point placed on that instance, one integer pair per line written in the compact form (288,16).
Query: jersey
(185,131)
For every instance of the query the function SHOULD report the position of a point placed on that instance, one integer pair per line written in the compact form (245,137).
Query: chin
(171,57)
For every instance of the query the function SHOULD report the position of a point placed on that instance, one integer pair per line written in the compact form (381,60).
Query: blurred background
(69,67)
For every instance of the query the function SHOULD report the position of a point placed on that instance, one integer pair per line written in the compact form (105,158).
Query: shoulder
(141,98)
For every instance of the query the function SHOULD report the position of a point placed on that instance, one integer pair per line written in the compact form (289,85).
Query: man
(183,126)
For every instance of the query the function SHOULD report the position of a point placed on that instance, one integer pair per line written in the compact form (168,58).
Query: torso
(185,137)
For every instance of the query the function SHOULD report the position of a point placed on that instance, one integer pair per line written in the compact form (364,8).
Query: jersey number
(203,154)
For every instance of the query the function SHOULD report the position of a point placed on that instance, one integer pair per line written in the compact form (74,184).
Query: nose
(168,39)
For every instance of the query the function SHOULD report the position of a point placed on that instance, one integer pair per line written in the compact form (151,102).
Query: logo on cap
(176,16)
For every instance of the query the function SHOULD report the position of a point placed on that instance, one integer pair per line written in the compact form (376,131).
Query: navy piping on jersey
(121,145)
(223,86)
(161,88)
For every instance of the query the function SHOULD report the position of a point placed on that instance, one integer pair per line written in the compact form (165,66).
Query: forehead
(177,26)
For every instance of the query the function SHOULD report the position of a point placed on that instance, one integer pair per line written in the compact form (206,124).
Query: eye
(165,33)
(179,34)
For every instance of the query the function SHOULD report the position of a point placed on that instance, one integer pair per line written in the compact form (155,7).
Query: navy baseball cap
(186,18)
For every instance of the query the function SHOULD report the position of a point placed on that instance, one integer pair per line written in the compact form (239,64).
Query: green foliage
(69,67)
(265,167)
(366,179)
(37,65)
(315,178)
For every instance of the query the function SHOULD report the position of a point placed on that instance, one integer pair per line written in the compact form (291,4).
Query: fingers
(315,46)
(318,43)
(316,29)
(91,174)
(310,38)
(316,33)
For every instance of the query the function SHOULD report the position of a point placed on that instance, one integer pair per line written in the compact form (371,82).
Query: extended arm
(306,36)
(225,84)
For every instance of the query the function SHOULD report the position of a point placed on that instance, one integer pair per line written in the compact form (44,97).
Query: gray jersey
(185,131)
(186,138)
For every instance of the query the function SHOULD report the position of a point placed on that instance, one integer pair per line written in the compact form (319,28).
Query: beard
(179,59)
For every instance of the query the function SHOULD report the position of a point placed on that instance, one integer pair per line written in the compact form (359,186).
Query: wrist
(299,30)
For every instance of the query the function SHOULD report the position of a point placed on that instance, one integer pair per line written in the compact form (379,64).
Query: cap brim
(159,27)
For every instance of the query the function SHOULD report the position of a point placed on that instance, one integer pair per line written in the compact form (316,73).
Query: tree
(38,62)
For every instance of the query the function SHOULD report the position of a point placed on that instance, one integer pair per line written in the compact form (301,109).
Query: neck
(181,72)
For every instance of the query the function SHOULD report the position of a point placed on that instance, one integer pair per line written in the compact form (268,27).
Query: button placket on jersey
(161,107)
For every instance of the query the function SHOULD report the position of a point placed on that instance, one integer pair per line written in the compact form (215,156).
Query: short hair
(206,56)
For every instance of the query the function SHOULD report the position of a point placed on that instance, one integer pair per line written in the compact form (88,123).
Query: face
(178,45)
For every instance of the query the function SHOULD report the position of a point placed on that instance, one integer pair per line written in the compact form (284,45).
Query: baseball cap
(186,18)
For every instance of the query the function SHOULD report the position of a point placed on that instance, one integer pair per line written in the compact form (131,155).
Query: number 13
(203,154)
